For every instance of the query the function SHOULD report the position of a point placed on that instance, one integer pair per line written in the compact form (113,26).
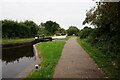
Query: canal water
(15,60)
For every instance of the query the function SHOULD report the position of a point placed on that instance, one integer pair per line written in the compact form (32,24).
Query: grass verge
(16,40)
(104,62)
(50,53)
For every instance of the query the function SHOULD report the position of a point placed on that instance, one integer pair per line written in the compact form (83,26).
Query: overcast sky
(64,12)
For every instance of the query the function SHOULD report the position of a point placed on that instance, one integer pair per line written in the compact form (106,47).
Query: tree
(72,30)
(51,27)
(14,29)
(106,19)
(61,31)
(33,27)
(85,32)
(42,31)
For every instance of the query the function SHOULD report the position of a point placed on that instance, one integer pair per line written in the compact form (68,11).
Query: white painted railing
(58,37)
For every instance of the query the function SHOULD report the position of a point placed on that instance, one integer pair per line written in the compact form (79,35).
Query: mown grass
(50,53)
(104,62)
(16,40)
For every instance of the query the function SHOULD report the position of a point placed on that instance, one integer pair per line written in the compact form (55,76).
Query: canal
(16,59)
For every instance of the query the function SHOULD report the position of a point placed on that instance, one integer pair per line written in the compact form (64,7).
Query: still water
(15,60)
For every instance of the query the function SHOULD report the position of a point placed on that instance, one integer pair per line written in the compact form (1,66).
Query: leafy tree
(33,27)
(72,30)
(14,29)
(42,31)
(61,31)
(51,27)
(105,17)
(85,32)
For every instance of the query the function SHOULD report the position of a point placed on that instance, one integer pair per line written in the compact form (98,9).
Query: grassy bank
(104,62)
(50,53)
(16,40)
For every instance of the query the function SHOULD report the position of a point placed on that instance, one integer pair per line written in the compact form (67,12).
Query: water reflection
(14,54)
(15,60)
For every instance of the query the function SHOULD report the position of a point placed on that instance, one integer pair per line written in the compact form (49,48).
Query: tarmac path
(76,63)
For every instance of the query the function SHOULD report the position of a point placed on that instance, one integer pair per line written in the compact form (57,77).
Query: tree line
(105,18)
(13,29)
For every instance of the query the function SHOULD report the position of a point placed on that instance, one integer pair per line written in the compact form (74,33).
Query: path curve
(76,63)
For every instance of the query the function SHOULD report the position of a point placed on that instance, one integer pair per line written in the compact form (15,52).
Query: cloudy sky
(64,12)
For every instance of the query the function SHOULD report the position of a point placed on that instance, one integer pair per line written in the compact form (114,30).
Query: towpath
(76,63)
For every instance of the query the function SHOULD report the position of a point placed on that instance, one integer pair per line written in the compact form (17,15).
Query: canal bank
(31,67)
(19,59)
(17,62)
(19,44)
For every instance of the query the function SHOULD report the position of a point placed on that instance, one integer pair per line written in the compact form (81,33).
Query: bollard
(36,66)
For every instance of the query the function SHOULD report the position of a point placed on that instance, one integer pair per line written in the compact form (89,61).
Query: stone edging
(31,67)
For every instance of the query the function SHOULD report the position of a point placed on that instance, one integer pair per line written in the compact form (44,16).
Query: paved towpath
(76,63)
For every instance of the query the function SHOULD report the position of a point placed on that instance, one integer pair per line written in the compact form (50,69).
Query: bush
(13,29)
(84,33)
(72,30)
